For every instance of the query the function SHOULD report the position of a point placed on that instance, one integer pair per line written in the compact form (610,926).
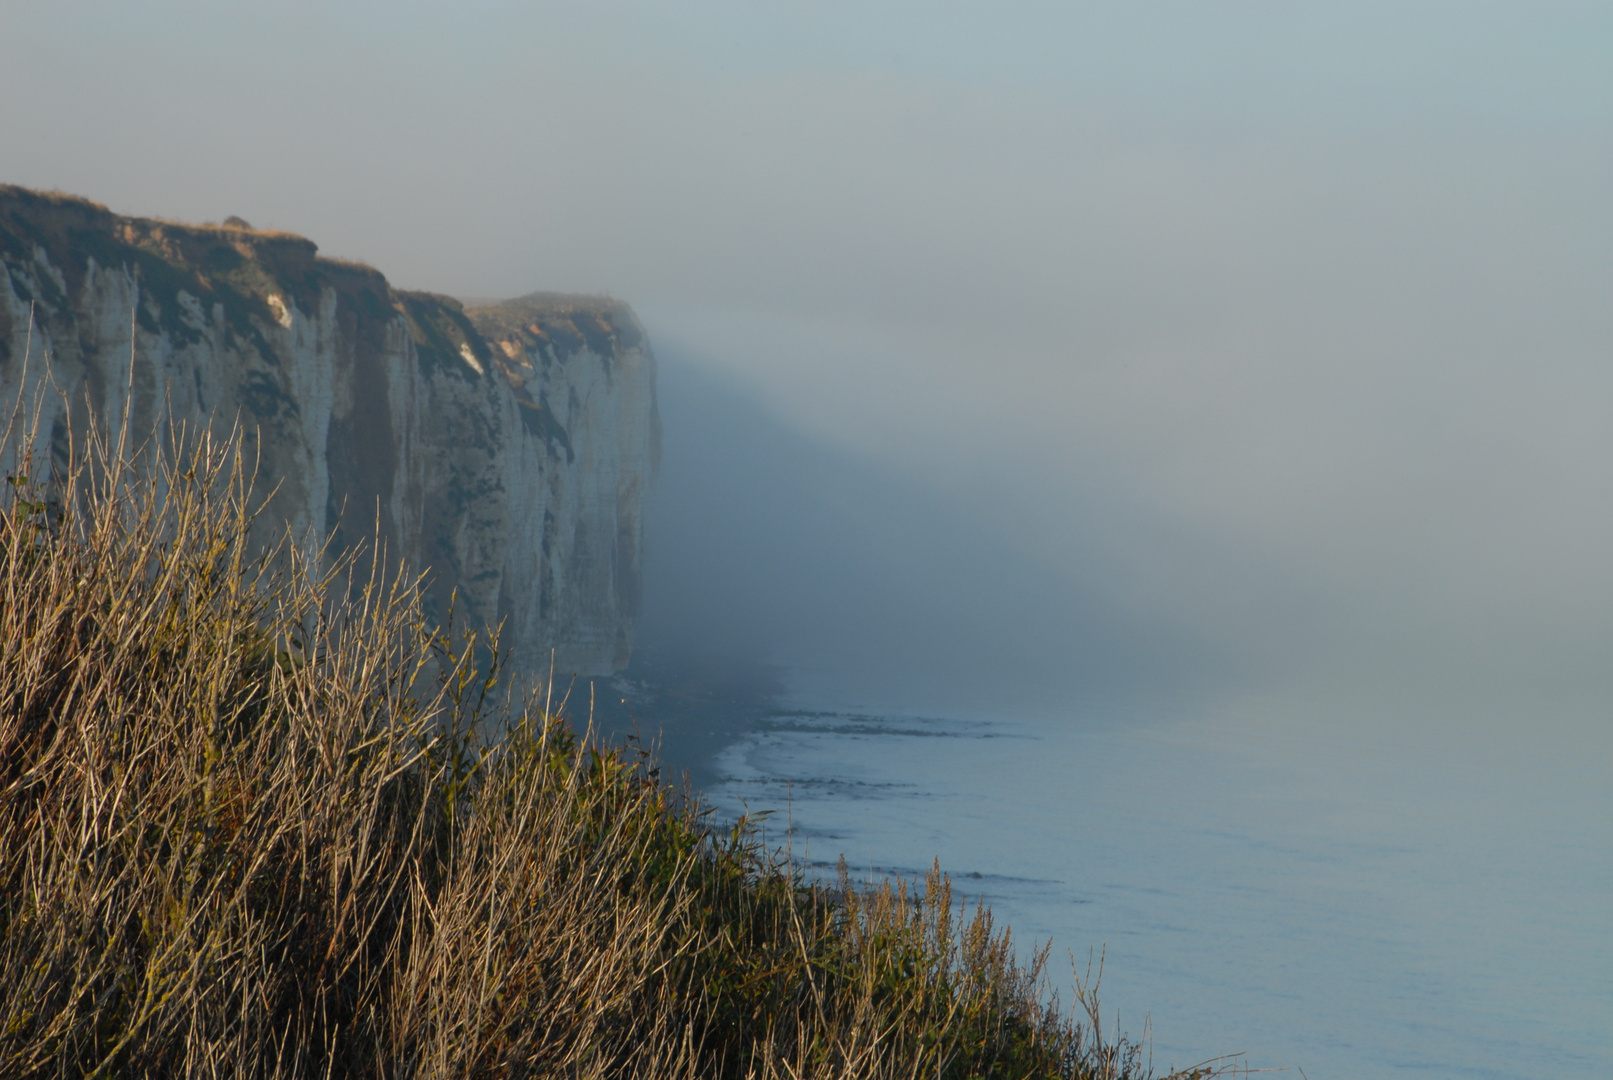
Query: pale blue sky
(1447,62)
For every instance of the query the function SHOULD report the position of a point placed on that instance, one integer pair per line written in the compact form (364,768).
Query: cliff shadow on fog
(775,556)
(503,450)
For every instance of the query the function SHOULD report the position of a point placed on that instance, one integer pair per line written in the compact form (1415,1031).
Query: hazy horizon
(1091,343)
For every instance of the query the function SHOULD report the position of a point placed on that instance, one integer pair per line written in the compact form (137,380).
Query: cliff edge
(504,450)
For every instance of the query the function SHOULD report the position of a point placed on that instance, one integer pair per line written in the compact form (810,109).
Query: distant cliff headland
(503,449)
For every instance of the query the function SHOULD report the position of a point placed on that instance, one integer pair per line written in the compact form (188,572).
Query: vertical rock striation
(502,450)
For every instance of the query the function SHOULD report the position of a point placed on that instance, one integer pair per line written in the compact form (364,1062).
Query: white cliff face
(504,452)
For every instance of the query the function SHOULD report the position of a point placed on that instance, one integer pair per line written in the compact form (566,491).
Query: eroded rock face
(502,450)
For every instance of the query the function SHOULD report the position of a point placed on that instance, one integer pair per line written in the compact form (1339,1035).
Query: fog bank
(775,546)
(1089,343)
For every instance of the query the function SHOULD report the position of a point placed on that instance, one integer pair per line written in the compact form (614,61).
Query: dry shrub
(251,825)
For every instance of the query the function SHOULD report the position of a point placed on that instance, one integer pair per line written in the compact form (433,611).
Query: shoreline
(684,709)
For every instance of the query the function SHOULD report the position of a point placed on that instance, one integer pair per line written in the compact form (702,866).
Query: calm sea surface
(1357,894)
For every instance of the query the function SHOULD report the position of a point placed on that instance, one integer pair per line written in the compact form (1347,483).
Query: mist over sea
(1360,878)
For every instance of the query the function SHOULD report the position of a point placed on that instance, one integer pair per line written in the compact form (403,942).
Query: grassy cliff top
(231,267)
(240,267)
(603,324)
(69,229)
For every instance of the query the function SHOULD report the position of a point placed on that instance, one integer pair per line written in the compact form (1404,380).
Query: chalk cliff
(504,450)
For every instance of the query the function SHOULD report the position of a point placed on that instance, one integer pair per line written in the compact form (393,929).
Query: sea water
(1354,894)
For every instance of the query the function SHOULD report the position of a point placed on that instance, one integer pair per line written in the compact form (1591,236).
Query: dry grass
(250,826)
(55,196)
